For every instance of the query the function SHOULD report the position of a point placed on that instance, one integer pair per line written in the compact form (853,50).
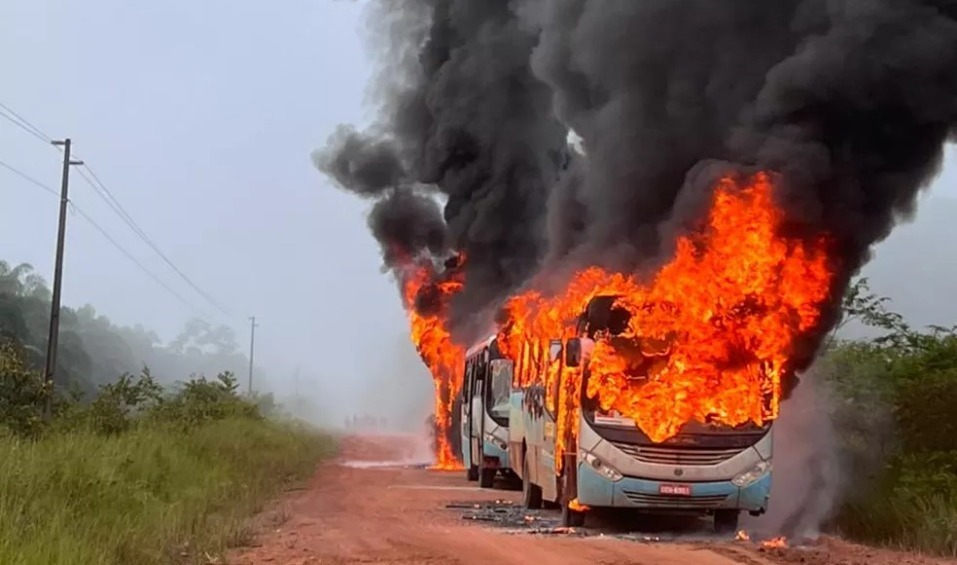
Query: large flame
(444,358)
(709,337)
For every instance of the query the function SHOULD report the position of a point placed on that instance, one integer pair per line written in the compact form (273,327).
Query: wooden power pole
(54,335)
(252,348)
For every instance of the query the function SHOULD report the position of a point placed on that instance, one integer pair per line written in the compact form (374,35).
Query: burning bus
(572,451)
(658,392)
(484,403)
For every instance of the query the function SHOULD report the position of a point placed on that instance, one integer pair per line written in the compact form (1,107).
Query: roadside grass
(925,522)
(156,494)
(138,475)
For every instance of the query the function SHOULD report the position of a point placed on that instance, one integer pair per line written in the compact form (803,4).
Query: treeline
(93,351)
(896,417)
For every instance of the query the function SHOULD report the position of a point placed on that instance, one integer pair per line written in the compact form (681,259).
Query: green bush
(23,394)
(200,401)
(898,429)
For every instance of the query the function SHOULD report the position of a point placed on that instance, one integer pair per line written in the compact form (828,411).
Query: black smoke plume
(464,117)
(850,101)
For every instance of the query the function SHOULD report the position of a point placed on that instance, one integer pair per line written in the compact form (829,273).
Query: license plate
(675,490)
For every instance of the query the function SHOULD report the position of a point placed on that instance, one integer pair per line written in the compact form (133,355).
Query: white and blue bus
(484,412)
(706,469)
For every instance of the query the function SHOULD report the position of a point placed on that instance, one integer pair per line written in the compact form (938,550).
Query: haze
(200,117)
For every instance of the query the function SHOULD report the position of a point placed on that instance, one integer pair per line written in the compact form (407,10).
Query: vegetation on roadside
(138,474)
(897,420)
(130,468)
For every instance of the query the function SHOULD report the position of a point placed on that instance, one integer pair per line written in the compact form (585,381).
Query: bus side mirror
(573,352)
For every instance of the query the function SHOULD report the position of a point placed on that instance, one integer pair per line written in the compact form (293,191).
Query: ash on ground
(513,518)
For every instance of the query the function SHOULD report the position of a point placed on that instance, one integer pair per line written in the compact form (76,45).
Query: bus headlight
(752,475)
(495,441)
(602,468)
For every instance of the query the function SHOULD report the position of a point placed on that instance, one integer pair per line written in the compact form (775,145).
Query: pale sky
(200,117)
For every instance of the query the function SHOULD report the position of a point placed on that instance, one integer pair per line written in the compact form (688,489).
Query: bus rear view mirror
(573,352)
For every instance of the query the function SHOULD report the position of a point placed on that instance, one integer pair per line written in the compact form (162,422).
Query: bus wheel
(471,473)
(725,521)
(531,493)
(487,477)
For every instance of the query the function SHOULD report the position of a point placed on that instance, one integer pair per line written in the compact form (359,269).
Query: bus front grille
(687,456)
(675,502)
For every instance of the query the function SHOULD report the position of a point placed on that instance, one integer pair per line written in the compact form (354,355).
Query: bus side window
(478,374)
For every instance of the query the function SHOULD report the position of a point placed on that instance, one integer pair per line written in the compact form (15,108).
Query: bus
(484,412)
(706,469)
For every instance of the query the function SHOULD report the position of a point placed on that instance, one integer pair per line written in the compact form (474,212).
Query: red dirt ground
(394,515)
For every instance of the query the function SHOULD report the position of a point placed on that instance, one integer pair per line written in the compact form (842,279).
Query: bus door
(466,412)
(477,415)
(552,381)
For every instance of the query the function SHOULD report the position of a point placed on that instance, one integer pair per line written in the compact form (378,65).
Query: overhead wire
(100,188)
(103,232)
(104,192)
(16,119)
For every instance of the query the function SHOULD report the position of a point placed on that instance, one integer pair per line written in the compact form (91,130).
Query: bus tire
(471,473)
(487,477)
(725,521)
(531,493)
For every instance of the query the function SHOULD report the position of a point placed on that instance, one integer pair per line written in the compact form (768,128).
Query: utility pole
(252,346)
(52,339)
(297,402)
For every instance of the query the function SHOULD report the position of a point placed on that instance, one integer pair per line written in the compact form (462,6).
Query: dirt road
(360,509)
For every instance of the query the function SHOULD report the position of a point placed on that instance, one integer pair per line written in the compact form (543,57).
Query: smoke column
(462,117)
(808,483)
(849,101)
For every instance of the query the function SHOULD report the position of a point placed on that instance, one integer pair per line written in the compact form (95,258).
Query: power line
(7,113)
(104,192)
(29,179)
(103,232)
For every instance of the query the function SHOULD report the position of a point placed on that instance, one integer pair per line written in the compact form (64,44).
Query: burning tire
(471,473)
(531,493)
(725,521)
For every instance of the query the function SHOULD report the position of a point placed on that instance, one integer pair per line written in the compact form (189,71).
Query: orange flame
(775,543)
(444,357)
(578,506)
(742,536)
(710,336)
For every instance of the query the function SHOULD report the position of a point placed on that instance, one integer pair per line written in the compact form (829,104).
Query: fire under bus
(706,469)
(485,410)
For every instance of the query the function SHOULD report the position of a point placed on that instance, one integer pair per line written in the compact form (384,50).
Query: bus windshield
(499,388)
(643,359)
